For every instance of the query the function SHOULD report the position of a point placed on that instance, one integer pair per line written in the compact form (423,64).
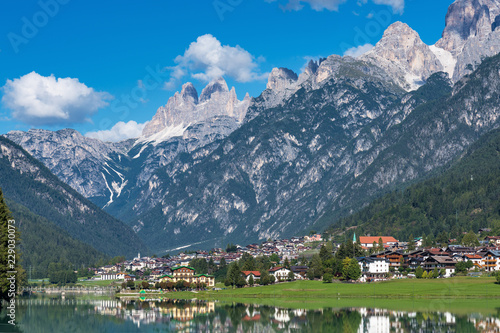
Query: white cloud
(47,100)
(358,50)
(398,6)
(119,132)
(333,5)
(207,59)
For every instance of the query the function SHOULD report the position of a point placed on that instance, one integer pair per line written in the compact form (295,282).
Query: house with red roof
(247,274)
(367,241)
(475,258)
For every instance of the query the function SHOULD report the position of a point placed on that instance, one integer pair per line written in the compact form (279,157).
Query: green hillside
(465,197)
(42,242)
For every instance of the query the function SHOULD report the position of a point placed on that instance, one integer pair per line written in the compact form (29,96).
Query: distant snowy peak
(186,108)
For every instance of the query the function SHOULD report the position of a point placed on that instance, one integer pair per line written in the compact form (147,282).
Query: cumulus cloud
(47,100)
(207,59)
(333,5)
(119,132)
(358,50)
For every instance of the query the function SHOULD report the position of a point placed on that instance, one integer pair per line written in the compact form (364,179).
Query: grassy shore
(457,295)
(458,287)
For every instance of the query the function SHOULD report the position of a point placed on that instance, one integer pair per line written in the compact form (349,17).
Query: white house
(280,273)
(107,276)
(373,267)
(441,263)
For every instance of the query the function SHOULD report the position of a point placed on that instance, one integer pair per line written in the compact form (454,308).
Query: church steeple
(354,237)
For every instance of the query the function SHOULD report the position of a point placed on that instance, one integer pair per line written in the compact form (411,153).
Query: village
(385,258)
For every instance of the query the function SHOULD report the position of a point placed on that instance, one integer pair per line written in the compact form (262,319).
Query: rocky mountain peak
(186,108)
(402,53)
(218,85)
(281,78)
(189,93)
(400,30)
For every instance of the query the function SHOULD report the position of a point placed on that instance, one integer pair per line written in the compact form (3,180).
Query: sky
(104,67)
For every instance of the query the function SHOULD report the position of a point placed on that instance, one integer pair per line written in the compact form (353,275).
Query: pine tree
(419,272)
(470,239)
(286,263)
(411,243)
(233,273)
(380,245)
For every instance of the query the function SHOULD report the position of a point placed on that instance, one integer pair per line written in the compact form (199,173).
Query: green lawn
(457,295)
(455,288)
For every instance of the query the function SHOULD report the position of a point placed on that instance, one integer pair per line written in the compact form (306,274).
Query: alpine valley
(313,148)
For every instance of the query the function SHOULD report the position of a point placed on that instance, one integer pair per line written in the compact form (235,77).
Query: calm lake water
(72,315)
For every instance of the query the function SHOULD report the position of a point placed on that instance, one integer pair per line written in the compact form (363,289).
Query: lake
(74,315)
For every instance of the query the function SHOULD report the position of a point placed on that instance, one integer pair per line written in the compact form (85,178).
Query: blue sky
(89,65)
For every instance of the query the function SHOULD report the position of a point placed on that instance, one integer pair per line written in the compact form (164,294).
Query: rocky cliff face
(465,20)
(471,34)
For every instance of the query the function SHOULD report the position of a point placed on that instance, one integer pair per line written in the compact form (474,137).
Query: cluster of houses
(373,267)
(280,273)
(163,269)
(378,265)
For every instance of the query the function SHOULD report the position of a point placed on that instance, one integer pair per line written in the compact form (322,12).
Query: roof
(372,259)
(247,273)
(371,239)
(442,259)
(298,268)
(274,269)
(473,256)
(166,275)
(175,268)
(205,275)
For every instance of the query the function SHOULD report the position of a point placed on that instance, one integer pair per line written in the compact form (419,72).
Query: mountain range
(312,148)
(37,193)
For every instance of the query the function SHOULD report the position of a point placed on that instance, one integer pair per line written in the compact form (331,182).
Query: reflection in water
(42,315)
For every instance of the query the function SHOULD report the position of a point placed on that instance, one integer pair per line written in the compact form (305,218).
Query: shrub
(327,278)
